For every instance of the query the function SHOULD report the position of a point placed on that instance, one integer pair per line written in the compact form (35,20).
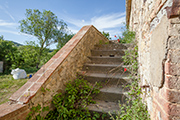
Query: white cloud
(111,23)
(9,31)
(109,20)
(73,30)
(6,11)
(4,23)
(17,33)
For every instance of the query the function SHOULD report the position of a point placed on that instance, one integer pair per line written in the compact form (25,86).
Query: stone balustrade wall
(53,76)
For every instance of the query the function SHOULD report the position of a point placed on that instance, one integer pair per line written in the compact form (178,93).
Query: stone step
(106,60)
(108,79)
(113,45)
(112,94)
(104,107)
(109,53)
(104,68)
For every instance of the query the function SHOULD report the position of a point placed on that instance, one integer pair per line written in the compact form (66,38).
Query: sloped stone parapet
(51,78)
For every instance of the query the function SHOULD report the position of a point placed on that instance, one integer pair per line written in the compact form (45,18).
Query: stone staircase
(106,66)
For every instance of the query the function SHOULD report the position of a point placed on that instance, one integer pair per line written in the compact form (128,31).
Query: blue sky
(105,15)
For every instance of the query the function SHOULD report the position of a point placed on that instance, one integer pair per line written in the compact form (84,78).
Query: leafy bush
(72,104)
(127,36)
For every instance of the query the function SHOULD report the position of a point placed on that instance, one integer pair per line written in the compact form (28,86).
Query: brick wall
(52,76)
(158,37)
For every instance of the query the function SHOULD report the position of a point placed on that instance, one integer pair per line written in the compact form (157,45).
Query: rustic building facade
(157,27)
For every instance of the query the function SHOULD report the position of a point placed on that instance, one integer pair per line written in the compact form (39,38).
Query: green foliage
(64,40)
(128,36)
(7,50)
(134,108)
(107,35)
(43,25)
(35,112)
(72,104)
(130,58)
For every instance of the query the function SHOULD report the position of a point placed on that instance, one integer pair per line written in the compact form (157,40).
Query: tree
(64,40)
(43,25)
(7,50)
(1,37)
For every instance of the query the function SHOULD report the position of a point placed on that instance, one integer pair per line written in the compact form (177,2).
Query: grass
(8,86)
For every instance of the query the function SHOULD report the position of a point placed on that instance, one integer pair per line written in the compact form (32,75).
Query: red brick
(169,108)
(172,82)
(26,97)
(41,70)
(170,95)
(161,102)
(49,63)
(45,76)
(19,92)
(174,117)
(167,68)
(35,87)
(156,110)
(58,53)
(9,111)
(56,63)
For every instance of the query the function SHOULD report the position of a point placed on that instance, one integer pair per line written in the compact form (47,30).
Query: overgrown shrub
(72,104)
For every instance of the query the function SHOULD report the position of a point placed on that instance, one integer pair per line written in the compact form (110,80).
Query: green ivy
(35,112)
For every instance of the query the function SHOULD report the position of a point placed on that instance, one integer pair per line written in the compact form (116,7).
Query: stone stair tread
(104,57)
(113,89)
(106,65)
(103,106)
(110,50)
(103,75)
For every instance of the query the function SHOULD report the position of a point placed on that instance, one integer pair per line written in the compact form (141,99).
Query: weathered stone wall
(53,76)
(159,50)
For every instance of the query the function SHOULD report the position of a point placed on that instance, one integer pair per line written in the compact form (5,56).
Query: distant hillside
(17,44)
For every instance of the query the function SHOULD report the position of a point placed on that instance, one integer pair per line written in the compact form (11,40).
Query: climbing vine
(134,108)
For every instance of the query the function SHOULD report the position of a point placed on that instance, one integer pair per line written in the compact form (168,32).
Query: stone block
(174,56)
(172,82)
(175,20)
(174,69)
(174,42)
(174,30)
(157,52)
(1,66)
